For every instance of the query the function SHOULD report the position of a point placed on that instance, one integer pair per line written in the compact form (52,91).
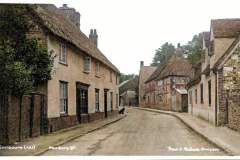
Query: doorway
(105,102)
(81,100)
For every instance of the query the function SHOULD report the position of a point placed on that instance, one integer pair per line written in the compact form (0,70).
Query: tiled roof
(196,76)
(225,27)
(58,24)
(177,66)
(155,74)
(146,71)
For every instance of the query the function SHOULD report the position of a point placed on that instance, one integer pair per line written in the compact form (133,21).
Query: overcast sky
(130,30)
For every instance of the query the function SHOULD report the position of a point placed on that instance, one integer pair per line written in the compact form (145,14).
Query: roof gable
(224,28)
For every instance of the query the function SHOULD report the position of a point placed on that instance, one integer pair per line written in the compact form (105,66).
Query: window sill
(87,72)
(65,64)
(97,75)
(63,114)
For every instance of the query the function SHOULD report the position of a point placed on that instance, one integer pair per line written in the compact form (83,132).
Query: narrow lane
(141,133)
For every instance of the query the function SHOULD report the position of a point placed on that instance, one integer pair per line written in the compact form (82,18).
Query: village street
(140,133)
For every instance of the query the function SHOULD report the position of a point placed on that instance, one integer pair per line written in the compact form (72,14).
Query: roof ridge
(57,23)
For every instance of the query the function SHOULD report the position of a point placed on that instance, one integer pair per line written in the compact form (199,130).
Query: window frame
(209,93)
(97,71)
(87,64)
(201,93)
(111,101)
(97,100)
(63,97)
(196,96)
(63,53)
(190,98)
(116,79)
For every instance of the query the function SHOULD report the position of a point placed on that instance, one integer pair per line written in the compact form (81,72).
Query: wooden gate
(37,115)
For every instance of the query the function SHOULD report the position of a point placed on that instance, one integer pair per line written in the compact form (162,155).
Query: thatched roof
(58,24)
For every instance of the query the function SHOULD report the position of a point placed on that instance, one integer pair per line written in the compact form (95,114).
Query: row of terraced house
(208,89)
(84,82)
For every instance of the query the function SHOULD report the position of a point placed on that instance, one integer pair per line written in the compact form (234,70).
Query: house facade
(166,87)
(144,73)
(84,84)
(210,91)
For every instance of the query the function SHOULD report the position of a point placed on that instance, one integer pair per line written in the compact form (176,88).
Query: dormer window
(87,64)
(63,53)
(211,49)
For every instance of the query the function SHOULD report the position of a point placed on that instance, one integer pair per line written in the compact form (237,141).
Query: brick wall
(58,123)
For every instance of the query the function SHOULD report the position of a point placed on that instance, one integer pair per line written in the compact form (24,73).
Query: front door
(105,102)
(82,100)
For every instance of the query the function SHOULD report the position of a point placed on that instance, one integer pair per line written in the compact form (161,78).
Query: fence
(31,123)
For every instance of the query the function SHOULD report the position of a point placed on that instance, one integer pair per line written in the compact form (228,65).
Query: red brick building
(165,88)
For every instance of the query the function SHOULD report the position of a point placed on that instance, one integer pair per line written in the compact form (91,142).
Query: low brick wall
(62,122)
(96,116)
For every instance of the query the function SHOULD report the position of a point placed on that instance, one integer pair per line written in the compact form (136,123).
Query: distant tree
(124,77)
(163,53)
(24,63)
(193,49)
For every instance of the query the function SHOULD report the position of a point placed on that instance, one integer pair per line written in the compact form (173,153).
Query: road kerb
(42,151)
(210,140)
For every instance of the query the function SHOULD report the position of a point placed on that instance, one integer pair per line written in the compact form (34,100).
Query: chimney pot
(71,14)
(178,45)
(93,36)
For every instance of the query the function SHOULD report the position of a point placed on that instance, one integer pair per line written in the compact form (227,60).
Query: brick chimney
(141,64)
(93,36)
(179,51)
(71,14)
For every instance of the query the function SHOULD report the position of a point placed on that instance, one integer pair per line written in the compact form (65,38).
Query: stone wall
(234,112)
(222,96)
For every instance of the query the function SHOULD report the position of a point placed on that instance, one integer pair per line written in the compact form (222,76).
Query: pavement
(140,133)
(41,144)
(222,137)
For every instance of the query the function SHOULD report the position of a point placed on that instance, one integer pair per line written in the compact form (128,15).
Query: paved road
(140,133)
